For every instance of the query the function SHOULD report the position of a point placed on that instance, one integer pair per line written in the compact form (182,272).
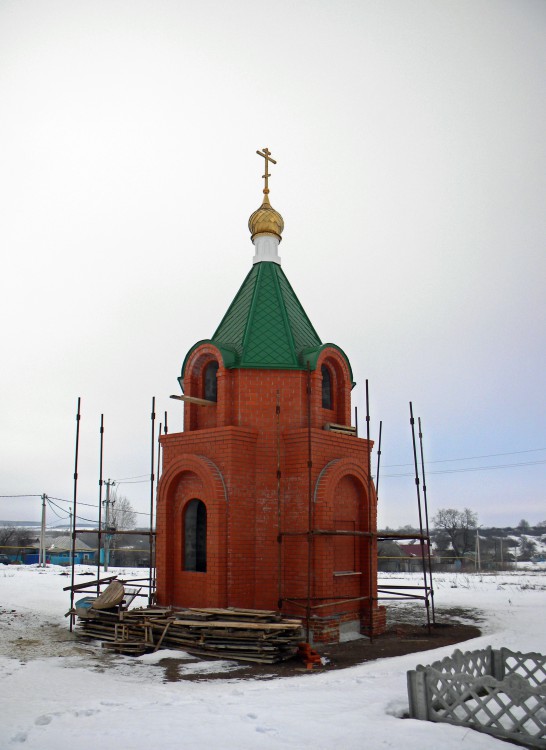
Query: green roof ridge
(284,311)
(268,338)
(231,330)
(252,309)
(302,328)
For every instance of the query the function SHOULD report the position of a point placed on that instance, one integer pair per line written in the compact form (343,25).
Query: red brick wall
(247,459)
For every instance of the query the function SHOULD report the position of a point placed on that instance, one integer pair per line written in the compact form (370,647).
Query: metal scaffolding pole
(73,524)
(99,534)
(310,504)
(370,545)
(426,521)
(412,423)
(279,513)
(378,462)
(152,477)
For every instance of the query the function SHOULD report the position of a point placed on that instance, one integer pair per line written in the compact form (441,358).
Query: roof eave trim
(227,354)
(311,356)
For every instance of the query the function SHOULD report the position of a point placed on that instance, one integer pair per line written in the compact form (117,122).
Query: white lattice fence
(499,692)
(530,666)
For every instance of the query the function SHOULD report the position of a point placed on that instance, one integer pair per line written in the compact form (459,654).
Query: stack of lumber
(244,634)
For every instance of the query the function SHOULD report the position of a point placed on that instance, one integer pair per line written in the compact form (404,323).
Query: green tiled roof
(265,325)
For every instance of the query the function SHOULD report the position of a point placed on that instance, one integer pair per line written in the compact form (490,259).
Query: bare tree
(527,548)
(14,539)
(7,536)
(122,513)
(121,517)
(459,526)
(524,525)
(16,535)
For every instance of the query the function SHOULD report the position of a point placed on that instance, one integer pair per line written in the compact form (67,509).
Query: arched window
(195,536)
(327,396)
(211,384)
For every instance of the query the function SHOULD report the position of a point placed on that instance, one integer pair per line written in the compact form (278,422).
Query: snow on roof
(61,544)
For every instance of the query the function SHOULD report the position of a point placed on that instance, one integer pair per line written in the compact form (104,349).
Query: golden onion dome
(265,220)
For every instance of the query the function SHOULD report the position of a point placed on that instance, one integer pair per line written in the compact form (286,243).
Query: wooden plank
(111,597)
(247,610)
(234,624)
(341,428)
(247,614)
(237,657)
(195,400)
(163,634)
(79,586)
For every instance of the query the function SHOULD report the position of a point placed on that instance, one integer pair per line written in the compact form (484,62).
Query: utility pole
(72,540)
(108,536)
(42,557)
(478,561)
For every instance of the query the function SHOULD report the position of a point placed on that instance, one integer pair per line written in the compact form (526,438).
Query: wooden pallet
(127,648)
(246,635)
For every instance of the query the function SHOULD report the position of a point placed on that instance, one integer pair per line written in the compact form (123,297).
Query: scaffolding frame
(150,533)
(385,591)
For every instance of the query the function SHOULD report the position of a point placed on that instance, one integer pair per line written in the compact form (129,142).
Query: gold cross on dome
(266,153)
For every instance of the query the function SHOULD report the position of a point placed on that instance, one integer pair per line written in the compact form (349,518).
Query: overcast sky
(411,175)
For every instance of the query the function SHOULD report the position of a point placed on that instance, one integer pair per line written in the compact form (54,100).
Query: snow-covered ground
(56,692)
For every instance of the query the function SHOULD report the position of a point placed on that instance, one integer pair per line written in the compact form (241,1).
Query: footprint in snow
(86,712)
(19,737)
(43,720)
(266,730)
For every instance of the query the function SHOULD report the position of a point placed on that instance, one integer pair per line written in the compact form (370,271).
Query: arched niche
(187,479)
(334,381)
(344,500)
(204,378)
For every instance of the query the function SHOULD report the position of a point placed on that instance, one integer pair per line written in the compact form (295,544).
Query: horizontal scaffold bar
(385,586)
(327,532)
(402,596)
(332,601)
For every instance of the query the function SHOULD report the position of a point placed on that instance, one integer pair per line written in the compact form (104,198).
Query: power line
(137,481)
(62,500)
(125,479)
(52,509)
(53,505)
(471,468)
(468,458)
(389,466)
(90,520)
(485,468)
(14,496)
(81,518)
(56,506)
(91,505)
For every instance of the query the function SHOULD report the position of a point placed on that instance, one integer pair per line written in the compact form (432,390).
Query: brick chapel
(265,499)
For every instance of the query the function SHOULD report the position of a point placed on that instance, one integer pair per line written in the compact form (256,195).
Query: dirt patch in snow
(26,636)
(401,638)
(406,634)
